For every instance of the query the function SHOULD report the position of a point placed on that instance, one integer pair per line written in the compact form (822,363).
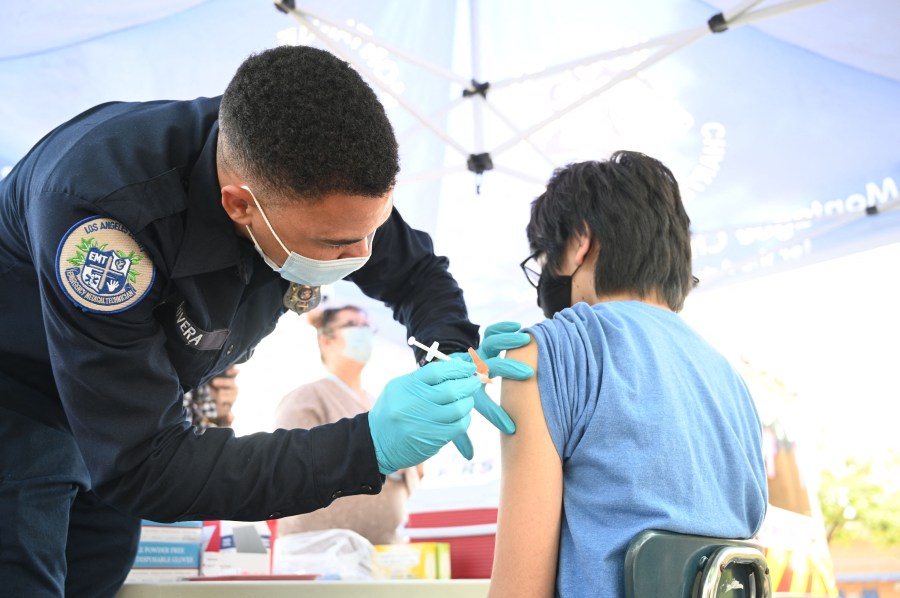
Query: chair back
(661,564)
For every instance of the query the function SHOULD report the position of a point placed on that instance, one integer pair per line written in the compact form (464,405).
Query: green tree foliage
(862,501)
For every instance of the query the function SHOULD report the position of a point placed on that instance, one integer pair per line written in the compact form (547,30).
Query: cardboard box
(237,548)
(419,560)
(471,547)
(167,552)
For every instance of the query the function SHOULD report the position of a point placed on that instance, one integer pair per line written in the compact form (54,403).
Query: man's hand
(420,412)
(497,337)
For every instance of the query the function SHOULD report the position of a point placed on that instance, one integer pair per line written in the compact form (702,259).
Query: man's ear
(237,201)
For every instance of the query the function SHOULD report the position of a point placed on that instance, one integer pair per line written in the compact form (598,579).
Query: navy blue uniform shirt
(125,284)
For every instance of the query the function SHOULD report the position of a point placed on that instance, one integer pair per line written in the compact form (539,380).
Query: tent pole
(735,16)
(411,58)
(481,102)
(772,11)
(411,132)
(436,115)
(517,131)
(738,16)
(735,12)
(627,74)
(363,69)
(477,106)
(587,60)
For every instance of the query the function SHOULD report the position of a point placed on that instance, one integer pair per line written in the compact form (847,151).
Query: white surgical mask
(307,271)
(358,343)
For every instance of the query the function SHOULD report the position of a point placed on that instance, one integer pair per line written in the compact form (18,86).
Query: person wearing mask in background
(633,421)
(346,340)
(209,405)
(145,248)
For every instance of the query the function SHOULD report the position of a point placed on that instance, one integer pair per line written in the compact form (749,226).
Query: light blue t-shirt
(655,429)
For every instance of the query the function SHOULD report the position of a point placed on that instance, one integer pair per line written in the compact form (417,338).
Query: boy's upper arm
(521,399)
(527,354)
(531,492)
(511,390)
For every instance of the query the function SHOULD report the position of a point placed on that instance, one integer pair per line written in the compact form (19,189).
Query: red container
(470,533)
(457,504)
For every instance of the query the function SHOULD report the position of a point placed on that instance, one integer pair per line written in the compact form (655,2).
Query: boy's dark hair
(299,121)
(632,207)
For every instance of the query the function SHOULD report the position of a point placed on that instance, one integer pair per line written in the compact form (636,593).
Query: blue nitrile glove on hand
(497,337)
(420,412)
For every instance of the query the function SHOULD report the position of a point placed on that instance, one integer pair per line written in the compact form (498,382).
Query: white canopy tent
(780,128)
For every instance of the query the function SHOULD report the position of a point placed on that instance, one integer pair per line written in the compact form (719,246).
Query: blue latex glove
(497,337)
(420,412)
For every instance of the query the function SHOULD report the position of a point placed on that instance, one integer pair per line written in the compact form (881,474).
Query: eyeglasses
(532,269)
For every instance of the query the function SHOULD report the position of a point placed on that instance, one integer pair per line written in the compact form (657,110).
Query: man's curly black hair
(299,121)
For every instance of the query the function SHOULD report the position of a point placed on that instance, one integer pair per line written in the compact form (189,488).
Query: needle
(433,352)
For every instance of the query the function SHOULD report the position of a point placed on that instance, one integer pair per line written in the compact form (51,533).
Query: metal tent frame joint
(717,23)
(477,89)
(285,6)
(478,163)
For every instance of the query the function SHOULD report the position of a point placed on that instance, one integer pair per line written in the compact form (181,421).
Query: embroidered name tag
(196,337)
(101,267)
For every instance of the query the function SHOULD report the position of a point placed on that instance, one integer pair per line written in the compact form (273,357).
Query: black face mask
(554,293)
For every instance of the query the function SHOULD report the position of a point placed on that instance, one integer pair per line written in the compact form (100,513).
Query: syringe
(433,352)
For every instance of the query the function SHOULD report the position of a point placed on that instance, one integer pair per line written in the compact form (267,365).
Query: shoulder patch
(101,267)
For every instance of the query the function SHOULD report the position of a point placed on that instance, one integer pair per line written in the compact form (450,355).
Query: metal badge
(301,298)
